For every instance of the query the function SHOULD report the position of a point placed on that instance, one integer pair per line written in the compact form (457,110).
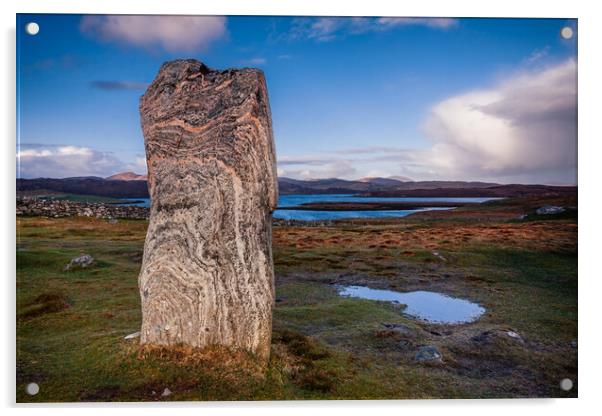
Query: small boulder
(132,336)
(166,392)
(514,335)
(497,337)
(428,353)
(439,256)
(549,210)
(83,261)
(404,344)
(397,328)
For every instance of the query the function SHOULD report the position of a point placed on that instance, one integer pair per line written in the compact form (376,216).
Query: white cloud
(140,164)
(255,61)
(525,128)
(432,22)
(305,166)
(537,55)
(325,29)
(118,85)
(321,29)
(328,168)
(67,161)
(170,33)
(377,173)
(351,163)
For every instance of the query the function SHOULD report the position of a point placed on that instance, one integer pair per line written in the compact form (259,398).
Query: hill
(131,185)
(86,186)
(126,176)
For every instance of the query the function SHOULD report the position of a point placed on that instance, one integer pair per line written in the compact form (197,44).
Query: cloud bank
(316,167)
(175,34)
(350,163)
(38,161)
(524,127)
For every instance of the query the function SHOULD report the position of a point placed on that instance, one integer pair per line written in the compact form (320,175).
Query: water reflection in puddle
(427,306)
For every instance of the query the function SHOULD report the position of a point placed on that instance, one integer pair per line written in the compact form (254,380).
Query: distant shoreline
(374,206)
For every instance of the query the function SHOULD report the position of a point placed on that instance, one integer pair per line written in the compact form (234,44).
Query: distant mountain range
(129,184)
(342,186)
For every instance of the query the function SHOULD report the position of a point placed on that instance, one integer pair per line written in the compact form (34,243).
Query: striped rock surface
(207,273)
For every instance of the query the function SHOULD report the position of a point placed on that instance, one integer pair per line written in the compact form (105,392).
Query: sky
(416,98)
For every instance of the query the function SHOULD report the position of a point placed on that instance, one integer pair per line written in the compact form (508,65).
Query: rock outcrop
(207,273)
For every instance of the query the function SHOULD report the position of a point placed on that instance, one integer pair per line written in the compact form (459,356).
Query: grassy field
(71,324)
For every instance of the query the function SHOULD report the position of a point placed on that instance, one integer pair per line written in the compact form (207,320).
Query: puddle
(427,306)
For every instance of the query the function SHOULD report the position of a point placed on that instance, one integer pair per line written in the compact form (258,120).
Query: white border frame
(589,152)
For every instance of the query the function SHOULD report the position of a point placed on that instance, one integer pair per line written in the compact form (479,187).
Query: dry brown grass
(217,358)
(45,303)
(81,228)
(544,235)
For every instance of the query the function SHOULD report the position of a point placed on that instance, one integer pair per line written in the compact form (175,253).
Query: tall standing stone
(207,273)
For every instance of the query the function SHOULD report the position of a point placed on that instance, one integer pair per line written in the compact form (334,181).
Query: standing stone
(207,273)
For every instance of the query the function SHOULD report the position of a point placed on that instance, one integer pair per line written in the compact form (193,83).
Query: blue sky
(471,99)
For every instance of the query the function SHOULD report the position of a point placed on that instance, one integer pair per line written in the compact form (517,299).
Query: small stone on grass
(133,335)
(428,353)
(549,210)
(83,261)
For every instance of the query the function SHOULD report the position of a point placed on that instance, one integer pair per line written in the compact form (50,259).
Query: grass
(71,325)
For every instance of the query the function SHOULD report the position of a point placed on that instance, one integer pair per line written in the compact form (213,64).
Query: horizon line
(363,179)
